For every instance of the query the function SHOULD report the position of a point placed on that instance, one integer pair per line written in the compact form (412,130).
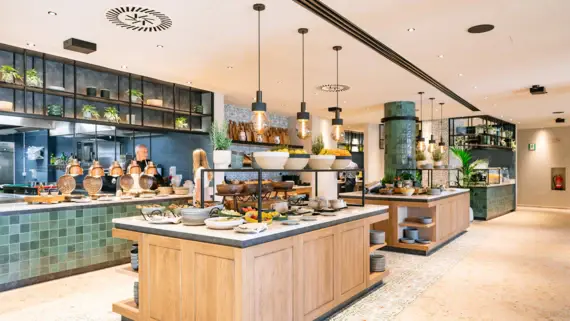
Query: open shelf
(415,246)
(418,225)
(127,308)
(375,276)
(263,144)
(374,247)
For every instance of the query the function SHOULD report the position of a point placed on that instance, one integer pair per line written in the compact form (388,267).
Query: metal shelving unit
(481,132)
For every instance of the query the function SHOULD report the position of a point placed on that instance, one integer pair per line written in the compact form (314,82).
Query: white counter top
(402,198)
(23,207)
(495,185)
(276,230)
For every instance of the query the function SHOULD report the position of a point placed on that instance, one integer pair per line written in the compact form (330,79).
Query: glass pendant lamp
(442,147)
(303,118)
(74,168)
(337,131)
(96,170)
(134,168)
(420,140)
(259,108)
(431,146)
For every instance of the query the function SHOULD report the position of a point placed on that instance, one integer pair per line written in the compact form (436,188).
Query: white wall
(534,167)
(373,155)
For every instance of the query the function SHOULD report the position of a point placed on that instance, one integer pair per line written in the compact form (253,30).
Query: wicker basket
(165,190)
(181,190)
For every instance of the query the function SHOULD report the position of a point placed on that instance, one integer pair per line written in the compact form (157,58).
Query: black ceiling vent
(139,19)
(560,120)
(481,28)
(537,90)
(79,45)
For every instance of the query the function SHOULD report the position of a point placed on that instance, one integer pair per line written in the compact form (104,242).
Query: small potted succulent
(89,112)
(221,143)
(136,95)
(9,74)
(420,159)
(112,114)
(437,157)
(32,78)
(181,123)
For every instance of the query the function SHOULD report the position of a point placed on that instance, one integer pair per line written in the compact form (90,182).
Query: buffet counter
(41,242)
(448,211)
(492,201)
(298,272)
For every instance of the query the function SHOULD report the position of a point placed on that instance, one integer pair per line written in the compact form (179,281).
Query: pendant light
(96,170)
(420,140)
(150,168)
(442,147)
(259,108)
(116,170)
(431,146)
(74,167)
(337,132)
(303,117)
(134,167)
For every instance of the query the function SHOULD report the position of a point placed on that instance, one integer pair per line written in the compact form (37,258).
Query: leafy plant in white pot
(437,157)
(221,143)
(420,159)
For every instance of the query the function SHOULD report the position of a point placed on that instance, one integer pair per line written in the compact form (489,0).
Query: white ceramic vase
(420,164)
(222,158)
(438,163)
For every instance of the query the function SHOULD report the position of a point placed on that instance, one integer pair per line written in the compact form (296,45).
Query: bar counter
(299,272)
(41,242)
(492,201)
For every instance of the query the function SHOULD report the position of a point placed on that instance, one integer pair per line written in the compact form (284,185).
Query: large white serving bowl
(341,162)
(271,160)
(321,161)
(297,161)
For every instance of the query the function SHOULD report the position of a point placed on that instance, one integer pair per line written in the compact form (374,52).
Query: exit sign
(532,147)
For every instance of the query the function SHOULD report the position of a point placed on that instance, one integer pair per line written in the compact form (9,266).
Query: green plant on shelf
(136,95)
(32,78)
(198,109)
(468,167)
(420,155)
(112,114)
(89,112)
(389,177)
(437,155)
(181,123)
(219,136)
(9,74)
(318,145)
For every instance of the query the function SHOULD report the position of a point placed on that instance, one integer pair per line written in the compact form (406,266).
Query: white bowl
(296,163)
(341,163)
(321,161)
(222,223)
(271,160)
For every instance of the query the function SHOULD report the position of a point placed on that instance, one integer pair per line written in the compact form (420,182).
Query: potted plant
(320,158)
(181,123)
(388,179)
(420,159)
(221,143)
(9,74)
(136,95)
(437,157)
(90,111)
(467,167)
(418,179)
(32,78)
(112,114)
(408,179)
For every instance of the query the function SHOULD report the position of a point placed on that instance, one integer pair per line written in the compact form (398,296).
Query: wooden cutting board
(49,199)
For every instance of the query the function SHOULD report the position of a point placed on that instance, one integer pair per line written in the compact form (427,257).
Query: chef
(141,154)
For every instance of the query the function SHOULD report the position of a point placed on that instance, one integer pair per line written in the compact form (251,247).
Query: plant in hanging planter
(420,159)
(437,157)
(90,111)
(32,78)
(181,123)
(136,95)
(221,143)
(112,114)
(9,74)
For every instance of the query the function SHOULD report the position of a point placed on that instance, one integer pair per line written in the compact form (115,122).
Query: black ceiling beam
(328,14)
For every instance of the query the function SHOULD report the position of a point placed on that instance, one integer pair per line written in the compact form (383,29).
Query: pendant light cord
(303,66)
(259,50)
(337,78)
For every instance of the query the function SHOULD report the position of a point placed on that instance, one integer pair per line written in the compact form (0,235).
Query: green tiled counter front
(42,246)
(492,201)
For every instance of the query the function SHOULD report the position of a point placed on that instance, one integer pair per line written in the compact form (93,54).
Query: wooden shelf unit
(418,225)
(127,308)
(374,276)
(374,247)
(416,246)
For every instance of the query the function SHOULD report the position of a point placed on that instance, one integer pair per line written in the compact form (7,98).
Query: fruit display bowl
(341,162)
(297,161)
(271,160)
(321,161)
(230,188)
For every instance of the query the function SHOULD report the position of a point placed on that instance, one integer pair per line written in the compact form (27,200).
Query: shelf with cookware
(35,83)
(482,132)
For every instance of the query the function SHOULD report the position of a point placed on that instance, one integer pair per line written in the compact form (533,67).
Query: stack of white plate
(377,262)
(377,237)
(136,293)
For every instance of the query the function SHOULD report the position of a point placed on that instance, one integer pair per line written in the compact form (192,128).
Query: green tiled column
(400,135)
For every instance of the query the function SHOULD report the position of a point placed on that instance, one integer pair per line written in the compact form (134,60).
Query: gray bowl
(423,241)
(425,219)
(411,233)
(407,240)
(434,191)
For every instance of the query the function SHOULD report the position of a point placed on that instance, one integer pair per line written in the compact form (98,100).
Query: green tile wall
(37,244)
(400,136)
(488,203)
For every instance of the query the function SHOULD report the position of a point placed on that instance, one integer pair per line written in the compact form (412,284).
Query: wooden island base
(301,277)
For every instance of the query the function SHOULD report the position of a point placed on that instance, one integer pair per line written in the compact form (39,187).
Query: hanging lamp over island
(420,140)
(259,108)
(303,117)
(442,147)
(431,146)
(337,132)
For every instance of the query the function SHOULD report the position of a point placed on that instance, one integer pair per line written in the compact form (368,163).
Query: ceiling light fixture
(52,13)
(189,83)
(411,29)
(229,67)
(440,56)
(474,87)
(303,117)
(442,148)
(337,132)
(124,67)
(420,140)
(486,98)
(159,46)
(258,107)
(431,146)
(460,75)
(30,44)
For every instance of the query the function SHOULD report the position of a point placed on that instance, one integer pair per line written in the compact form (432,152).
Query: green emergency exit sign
(532,147)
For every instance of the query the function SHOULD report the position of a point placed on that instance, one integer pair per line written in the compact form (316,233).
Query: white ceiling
(528,46)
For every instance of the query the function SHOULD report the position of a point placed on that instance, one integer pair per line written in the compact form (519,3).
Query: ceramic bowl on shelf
(411,233)
(230,188)
(425,219)
(297,161)
(181,190)
(408,191)
(154,102)
(423,241)
(271,160)
(434,191)
(283,185)
(341,162)
(195,216)
(321,161)
(407,240)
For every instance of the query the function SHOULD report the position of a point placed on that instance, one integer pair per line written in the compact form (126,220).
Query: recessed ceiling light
(30,44)
(510,119)
(124,67)
(495,105)
(411,29)
(460,75)
(52,13)
(189,82)
(474,87)
(440,56)
(519,122)
(344,102)
(316,94)
(486,98)
(159,46)
(229,67)
(502,116)
(279,81)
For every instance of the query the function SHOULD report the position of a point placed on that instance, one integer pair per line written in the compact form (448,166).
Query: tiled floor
(515,267)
